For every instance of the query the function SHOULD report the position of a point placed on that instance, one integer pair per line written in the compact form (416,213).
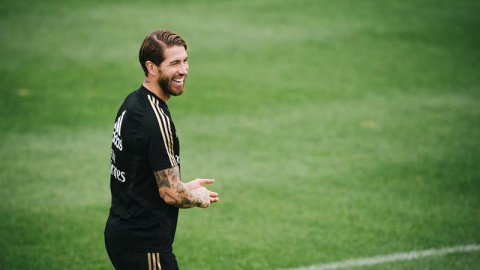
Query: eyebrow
(178,60)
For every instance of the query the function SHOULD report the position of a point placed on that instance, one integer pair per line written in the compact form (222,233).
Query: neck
(152,86)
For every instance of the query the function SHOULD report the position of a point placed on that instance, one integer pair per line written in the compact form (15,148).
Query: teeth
(178,80)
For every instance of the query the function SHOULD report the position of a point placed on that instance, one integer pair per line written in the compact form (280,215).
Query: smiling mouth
(179,81)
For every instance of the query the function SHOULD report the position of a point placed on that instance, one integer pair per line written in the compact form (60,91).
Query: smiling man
(145,179)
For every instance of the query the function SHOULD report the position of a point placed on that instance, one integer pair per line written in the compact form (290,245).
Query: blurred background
(335,129)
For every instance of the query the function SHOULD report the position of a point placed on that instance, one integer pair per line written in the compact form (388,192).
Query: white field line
(390,258)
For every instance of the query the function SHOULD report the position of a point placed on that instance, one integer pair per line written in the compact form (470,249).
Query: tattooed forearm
(174,192)
(174,173)
(162,179)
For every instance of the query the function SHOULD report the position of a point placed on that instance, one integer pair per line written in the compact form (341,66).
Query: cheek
(159,72)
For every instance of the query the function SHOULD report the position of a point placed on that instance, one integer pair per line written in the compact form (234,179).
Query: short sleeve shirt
(144,141)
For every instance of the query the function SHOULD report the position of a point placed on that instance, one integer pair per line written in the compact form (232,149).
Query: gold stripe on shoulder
(170,136)
(166,132)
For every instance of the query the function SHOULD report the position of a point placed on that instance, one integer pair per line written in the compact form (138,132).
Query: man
(145,163)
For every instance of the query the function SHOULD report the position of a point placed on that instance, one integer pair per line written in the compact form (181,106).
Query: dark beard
(164,83)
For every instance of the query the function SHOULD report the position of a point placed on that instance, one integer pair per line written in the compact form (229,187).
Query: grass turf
(334,130)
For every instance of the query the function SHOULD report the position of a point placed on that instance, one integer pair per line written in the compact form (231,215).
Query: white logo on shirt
(177,157)
(117,139)
(117,142)
(119,175)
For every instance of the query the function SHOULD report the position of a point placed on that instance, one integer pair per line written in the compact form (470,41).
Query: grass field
(335,129)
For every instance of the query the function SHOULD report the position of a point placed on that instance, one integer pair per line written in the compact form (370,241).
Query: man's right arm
(184,195)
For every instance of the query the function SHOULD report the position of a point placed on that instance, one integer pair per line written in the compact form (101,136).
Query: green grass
(335,130)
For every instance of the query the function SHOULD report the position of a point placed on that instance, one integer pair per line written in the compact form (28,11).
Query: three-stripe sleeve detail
(165,129)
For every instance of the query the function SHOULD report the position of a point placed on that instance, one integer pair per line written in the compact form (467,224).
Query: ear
(151,67)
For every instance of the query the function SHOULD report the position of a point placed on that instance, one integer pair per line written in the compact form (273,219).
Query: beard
(169,89)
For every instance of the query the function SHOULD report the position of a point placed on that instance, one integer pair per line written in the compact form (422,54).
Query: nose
(184,69)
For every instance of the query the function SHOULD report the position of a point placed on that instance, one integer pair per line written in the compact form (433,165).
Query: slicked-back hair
(154,45)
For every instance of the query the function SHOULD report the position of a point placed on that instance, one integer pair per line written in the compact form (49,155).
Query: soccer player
(145,179)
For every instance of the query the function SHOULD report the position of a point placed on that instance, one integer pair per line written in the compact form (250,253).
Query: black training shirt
(144,141)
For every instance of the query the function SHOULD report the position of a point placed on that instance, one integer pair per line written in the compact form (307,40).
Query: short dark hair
(154,44)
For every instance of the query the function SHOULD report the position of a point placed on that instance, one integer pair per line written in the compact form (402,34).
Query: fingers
(213,197)
(197,183)
(205,181)
(208,203)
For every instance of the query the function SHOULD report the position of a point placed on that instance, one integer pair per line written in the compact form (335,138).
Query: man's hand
(175,192)
(206,196)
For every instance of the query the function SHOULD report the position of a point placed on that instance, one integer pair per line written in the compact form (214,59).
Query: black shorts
(124,259)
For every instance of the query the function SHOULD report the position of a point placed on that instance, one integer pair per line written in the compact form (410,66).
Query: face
(173,71)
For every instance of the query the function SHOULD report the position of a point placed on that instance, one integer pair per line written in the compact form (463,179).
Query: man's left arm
(184,195)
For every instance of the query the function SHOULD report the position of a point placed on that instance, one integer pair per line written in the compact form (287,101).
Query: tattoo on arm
(174,192)
(162,179)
